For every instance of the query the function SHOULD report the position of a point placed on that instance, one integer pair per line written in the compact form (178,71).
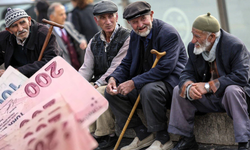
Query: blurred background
(232,14)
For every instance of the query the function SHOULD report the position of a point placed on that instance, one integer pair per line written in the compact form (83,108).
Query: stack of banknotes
(49,111)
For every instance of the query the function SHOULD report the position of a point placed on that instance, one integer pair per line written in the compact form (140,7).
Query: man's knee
(233,90)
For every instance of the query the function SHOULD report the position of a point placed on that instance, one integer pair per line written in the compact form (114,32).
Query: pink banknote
(54,128)
(57,76)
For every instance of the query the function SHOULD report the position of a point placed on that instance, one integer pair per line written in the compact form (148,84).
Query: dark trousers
(233,102)
(154,101)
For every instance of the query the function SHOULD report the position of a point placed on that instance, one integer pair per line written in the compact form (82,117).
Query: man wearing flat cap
(103,54)
(215,79)
(22,42)
(134,76)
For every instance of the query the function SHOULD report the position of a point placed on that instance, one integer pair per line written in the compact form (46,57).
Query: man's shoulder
(163,29)
(229,39)
(4,35)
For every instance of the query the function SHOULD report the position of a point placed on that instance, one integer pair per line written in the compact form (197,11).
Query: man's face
(200,39)
(107,22)
(59,15)
(142,25)
(20,28)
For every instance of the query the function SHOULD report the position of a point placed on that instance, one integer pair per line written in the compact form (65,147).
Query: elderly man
(21,44)
(134,76)
(215,79)
(103,54)
(71,42)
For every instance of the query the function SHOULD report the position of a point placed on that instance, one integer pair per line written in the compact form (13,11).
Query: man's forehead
(197,31)
(139,17)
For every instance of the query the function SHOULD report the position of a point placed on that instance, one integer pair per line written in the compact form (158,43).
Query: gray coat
(77,38)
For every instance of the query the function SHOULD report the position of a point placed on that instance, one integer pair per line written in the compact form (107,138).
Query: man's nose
(194,40)
(108,21)
(140,24)
(19,27)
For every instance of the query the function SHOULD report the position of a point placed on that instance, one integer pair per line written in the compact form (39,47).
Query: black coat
(83,21)
(34,46)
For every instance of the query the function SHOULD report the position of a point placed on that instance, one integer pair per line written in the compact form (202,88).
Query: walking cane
(158,56)
(52,24)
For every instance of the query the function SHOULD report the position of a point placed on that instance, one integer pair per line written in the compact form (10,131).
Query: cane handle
(52,23)
(158,56)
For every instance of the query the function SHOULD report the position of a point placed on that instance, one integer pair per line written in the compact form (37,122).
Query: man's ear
(96,20)
(9,30)
(212,38)
(151,15)
(29,19)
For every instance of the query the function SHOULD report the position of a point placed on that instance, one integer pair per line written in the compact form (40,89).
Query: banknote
(10,81)
(55,99)
(57,76)
(53,128)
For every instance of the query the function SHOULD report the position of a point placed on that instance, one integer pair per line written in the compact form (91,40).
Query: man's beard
(202,47)
(144,34)
(23,37)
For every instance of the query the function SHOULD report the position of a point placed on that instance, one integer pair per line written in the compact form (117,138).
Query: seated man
(71,42)
(104,53)
(22,42)
(215,79)
(134,76)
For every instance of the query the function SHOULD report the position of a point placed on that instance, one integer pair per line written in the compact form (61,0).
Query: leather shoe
(243,146)
(186,143)
(107,141)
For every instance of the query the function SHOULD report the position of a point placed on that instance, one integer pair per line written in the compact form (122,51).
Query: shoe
(186,143)
(106,142)
(158,146)
(243,146)
(137,144)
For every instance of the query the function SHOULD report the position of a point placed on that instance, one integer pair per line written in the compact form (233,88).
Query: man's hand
(126,87)
(1,72)
(111,87)
(96,86)
(197,90)
(83,44)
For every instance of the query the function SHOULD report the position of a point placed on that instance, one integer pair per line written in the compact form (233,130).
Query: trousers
(233,102)
(105,124)
(155,99)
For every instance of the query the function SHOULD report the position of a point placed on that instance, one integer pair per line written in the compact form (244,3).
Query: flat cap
(136,9)
(104,7)
(207,23)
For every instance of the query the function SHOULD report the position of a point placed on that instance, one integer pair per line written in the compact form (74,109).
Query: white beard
(144,34)
(202,48)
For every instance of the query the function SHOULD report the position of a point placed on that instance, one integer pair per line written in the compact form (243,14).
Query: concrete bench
(211,128)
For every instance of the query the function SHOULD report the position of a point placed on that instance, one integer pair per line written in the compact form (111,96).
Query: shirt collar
(58,31)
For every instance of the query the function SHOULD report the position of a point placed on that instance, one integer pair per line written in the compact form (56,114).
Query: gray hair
(51,8)
(217,34)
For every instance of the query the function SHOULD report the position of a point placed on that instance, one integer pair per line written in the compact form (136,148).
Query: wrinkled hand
(1,72)
(96,86)
(111,87)
(83,44)
(126,87)
(197,90)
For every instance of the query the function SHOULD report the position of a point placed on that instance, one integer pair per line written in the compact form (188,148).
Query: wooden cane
(158,56)
(52,24)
